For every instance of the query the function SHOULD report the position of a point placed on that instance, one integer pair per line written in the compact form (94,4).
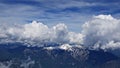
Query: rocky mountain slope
(19,56)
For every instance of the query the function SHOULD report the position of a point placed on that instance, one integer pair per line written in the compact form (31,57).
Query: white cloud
(76,38)
(37,33)
(35,30)
(101,30)
(111,45)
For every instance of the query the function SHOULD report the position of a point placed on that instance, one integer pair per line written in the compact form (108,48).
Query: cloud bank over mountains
(37,33)
(102,31)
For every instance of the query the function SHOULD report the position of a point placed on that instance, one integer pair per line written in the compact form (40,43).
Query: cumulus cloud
(37,33)
(103,31)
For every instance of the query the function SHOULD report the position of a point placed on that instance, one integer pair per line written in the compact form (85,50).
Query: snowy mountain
(17,55)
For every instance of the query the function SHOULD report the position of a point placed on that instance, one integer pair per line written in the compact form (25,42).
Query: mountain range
(17,55)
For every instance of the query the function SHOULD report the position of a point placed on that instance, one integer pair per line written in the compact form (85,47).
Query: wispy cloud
(52,12)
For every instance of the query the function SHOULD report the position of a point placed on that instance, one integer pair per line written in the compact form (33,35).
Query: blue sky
(71,12)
